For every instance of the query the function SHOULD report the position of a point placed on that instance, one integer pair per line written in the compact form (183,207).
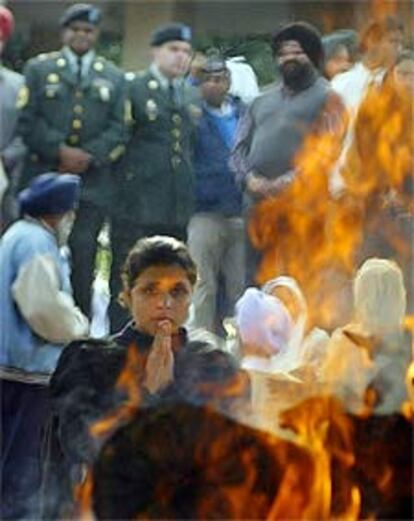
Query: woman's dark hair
(158,250)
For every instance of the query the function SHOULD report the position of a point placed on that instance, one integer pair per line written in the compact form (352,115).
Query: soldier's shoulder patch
(22,97)
(42,57)
(43,61)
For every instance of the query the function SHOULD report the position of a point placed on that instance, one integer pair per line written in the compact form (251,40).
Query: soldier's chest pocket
(102,93)
(53,92)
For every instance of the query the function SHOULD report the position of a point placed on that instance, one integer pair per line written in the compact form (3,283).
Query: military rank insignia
(22,97)
(104,88)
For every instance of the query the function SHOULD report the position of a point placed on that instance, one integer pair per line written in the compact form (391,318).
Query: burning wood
(370,458)
(181,462)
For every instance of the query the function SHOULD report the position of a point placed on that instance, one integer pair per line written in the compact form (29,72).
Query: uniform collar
(72,58)
(163,80)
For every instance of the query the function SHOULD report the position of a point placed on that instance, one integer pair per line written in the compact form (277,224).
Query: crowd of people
(178,163)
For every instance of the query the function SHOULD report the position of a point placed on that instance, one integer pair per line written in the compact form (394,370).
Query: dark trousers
(124,234)
(83,245)
(25,409)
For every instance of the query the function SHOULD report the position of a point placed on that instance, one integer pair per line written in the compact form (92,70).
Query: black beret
(169,33)
(305,34)
(81,13)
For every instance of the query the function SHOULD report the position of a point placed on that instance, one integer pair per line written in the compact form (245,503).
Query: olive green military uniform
(88,113)
(155,194)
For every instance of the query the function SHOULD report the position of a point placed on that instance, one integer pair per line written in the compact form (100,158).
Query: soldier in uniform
(73,120)
(155,192)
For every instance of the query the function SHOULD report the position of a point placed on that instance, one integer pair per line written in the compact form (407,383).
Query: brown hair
(158,250)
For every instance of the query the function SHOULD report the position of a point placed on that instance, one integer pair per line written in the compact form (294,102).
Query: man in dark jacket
(73,109)
(216,231)
(155,181)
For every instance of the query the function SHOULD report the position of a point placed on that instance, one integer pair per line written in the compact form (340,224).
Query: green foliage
(15,52)
(103,261)
(255,48)
(110,46)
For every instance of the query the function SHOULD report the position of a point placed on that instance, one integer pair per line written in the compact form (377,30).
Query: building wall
(132,21)
(141,17)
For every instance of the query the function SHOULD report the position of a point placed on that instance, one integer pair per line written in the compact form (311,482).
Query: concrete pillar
(141,18)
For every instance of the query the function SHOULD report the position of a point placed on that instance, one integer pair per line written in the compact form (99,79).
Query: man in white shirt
(243,83)
(380,43)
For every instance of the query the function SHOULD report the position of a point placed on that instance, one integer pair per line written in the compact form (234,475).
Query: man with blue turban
(38,317)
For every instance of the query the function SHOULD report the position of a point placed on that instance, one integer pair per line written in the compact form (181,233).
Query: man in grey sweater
(277,123)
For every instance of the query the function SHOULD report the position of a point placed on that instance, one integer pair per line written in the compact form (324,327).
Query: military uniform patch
(22,97)
(104,87)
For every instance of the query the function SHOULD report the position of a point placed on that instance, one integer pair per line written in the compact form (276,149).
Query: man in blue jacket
(215,232)
(38,317)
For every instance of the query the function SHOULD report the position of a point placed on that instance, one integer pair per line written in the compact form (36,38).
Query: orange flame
(129,382)
(304,233)
(83,498)
(321,425)
(296,231)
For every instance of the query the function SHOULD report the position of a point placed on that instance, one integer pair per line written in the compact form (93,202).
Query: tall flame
(129,384)
(305,233)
